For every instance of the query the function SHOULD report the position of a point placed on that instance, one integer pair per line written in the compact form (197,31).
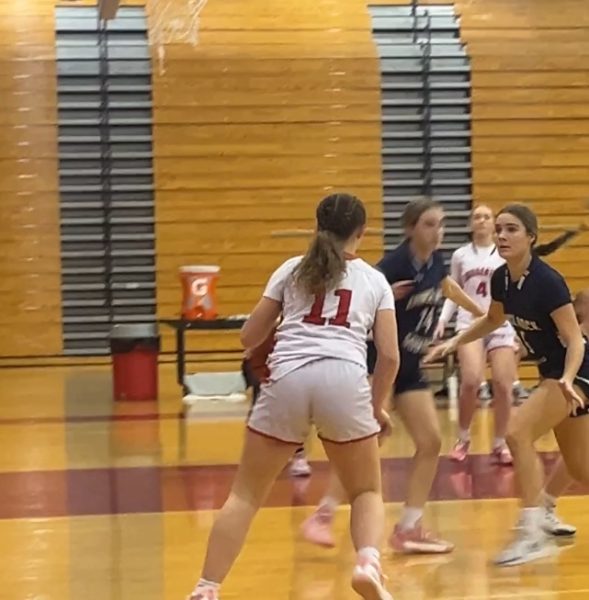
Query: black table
(182,325)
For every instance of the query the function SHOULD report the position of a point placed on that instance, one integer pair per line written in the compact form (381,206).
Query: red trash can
(135,349)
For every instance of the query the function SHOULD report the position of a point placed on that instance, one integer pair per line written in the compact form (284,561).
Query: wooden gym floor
(114,502)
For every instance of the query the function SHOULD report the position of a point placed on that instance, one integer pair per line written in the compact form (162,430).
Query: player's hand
(386,425)
(439,331)
(441,350)
(402,288)
(571,396)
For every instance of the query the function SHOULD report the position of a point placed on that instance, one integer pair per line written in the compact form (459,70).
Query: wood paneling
(30,320)
(530,88)
(274,109)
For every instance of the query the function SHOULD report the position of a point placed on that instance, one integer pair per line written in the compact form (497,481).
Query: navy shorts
(410,376)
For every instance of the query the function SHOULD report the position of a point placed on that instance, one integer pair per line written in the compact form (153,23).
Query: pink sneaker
(460,450)
(368,581)
(418,541)
(317,529)
(203,593)
(501,455)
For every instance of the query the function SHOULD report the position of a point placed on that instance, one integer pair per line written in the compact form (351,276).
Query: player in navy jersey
(560,479)
(419,278)
(472,266)
(535,299)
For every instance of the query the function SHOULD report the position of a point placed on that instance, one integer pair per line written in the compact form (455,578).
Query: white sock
(464,435)
(498,442)
(548,500)
(532,518)
(206,583)
(369,554)
(409,517)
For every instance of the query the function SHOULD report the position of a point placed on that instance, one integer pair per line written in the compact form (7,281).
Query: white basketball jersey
(472,268)
(334,326)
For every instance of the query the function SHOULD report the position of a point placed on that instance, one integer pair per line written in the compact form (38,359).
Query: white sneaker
(367,581)
(204,593)
(552,525)
(485,394)
(299,467)
(519,394)
(526,548)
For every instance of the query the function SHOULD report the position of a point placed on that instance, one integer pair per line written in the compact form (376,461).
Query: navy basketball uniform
(416,313)
(528,304)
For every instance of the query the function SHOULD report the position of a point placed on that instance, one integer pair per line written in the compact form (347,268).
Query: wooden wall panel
(274,109)
(530,87)
(30,320)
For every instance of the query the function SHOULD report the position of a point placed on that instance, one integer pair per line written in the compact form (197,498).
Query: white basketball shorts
(332,394)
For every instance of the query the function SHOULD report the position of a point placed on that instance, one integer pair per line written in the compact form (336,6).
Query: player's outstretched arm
(480,328)
(454,292)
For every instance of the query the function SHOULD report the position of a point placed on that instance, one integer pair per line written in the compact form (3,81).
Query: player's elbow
(573,339)
(494,320)
(248,336)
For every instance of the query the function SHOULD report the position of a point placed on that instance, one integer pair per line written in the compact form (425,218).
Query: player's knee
(363,491)
(470,386)
(517,436)
(429,445)
(502,389)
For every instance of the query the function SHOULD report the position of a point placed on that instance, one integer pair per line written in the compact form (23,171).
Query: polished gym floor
(113,501)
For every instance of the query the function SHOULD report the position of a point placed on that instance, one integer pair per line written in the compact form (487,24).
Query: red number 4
(482,289)
(315,317)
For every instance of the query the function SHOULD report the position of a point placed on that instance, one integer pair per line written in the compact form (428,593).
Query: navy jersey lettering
(416,313)
(528,304)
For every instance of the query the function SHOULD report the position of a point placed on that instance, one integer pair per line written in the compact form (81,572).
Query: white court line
(519,594)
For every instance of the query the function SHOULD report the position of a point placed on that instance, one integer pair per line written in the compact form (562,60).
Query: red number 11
(315,317)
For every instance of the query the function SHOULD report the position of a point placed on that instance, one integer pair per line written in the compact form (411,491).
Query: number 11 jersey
(334,325)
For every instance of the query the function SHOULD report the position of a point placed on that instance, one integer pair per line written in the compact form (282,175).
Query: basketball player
(419,278)
(535,299)
(560,480)
(329,301)
(471,267)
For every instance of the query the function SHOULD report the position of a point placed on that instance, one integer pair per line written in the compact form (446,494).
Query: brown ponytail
(339,216)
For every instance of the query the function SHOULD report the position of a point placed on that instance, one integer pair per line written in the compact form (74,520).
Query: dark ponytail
(556,243)
(339,216)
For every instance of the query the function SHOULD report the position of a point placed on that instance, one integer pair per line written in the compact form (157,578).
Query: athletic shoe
(460,450)
(418,541)
(368,581)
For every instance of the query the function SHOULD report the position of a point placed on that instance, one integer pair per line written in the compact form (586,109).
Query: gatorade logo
(200,286)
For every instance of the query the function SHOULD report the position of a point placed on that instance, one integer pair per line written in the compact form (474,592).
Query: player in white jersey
(329,301)
(471,267)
